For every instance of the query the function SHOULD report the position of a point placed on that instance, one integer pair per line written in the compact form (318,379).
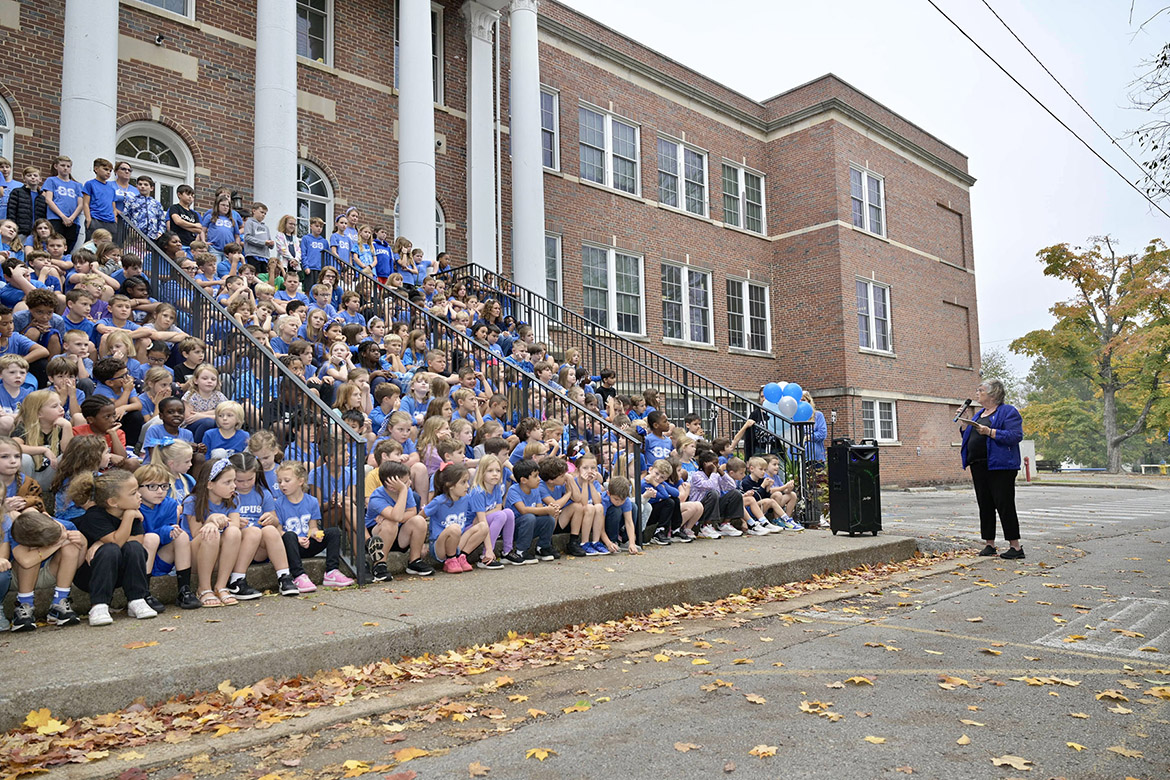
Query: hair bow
(164,441)
(217,469)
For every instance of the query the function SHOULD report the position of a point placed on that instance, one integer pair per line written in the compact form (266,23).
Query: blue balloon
(793,390)
(804,412)
(787,406)
(772,392)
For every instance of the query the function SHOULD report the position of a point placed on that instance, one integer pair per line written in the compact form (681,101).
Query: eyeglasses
(154,486)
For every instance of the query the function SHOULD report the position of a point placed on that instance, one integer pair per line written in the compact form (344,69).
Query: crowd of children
(125,455)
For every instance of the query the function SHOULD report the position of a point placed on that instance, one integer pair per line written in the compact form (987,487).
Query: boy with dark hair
(183,218)
(393,523)
(529,499)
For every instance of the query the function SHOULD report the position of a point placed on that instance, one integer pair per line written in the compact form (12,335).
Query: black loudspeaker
(855,502)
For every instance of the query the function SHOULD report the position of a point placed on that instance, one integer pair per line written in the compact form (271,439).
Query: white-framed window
(873,316)
(612,282)
(440,228)
(159,152)
(181,7)
(686,304)
(550,116)
(609,150)
(879,420)
(7,134)
(682,177)
(743,198)
(867,191)
(436,49)
(748,316)
(314,197)
(315,30)
(552,267)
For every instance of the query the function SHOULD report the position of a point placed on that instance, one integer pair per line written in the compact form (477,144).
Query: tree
(996,365)
(1114,333)
(1150,94)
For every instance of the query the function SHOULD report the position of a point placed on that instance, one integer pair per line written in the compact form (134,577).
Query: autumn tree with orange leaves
(1113,333)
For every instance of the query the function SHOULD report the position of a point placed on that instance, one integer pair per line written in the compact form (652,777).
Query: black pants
(725,508)
(666,515)
(995,490)
(69,231)
(331,544)
(114,567)
(132,423)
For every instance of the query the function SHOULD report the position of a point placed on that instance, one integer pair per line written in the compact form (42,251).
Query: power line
(1084,110)
(1049,111)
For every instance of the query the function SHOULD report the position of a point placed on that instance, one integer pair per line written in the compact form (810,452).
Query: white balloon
(782,385)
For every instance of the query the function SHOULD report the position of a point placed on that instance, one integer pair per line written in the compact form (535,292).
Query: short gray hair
(994,389)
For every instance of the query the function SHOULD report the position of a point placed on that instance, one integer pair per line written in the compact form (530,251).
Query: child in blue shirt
(300,518)
(393,522)
(313,249)
(226,438)
(339,244)
(453,529)
(529,500)
(165,532)
(619,516)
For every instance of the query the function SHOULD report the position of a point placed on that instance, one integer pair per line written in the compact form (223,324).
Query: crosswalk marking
(1138,615)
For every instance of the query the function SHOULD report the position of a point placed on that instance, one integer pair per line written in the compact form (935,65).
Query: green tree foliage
(995,365)
(1102,365)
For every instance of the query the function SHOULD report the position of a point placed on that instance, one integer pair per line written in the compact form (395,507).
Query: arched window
(7,131)
(314,197)
(440,227)
(158,152)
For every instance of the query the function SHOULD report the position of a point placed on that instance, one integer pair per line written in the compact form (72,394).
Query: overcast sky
(1037,185)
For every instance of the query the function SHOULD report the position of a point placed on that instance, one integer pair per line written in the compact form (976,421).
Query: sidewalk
(1099,479)
(81,670)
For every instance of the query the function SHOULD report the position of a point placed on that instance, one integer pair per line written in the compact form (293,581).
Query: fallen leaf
(686,747)
(355,768)
(1015,762)
(535,713)
(767,639)
(131,755)
(169,628)
(503,680)
(1121,710)
(861,714)
(540,754)
(139,645)
(517,698)
(740,661)
(975,620)
(860,680)
(581,706)
(966,722)
(406,774)
(763,751)
(1080,715)
(1075,746)
(409,754)
(729,767)
(934,652)
(906,770)
(1160,691)
(1148,649)
(369,623)
(755,699)
(875,740)
(1124,751)
(699,662)
(476,769)
(44,723)
(661,658)
(778,663)
(989,651)
(837,684)
(1130,634)
(963,740)
(1112,694)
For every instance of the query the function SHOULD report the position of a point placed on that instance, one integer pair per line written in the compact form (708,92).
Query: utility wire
(1084,110)
(1049,111)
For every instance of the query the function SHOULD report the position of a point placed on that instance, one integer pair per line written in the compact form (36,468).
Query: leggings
(331,544)
(505,520)
(995,490)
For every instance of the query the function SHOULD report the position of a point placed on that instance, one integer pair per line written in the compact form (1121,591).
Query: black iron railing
(274,399)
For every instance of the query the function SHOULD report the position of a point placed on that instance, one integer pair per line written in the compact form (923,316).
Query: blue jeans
(528,526)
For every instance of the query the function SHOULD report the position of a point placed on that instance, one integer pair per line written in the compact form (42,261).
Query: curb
(122,685)
(1095,485)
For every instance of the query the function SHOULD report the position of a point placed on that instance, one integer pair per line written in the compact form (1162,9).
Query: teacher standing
(991,449)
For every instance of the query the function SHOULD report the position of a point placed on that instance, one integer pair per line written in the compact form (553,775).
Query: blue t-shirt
(66,194)
(482,500)
(657,448)
(626,506)
(284,295)
(331,484)
(383,260)
(296,517)
(113,395)
(101,199)
(353,319)
(340,245)
(254,503)
(415,408)
(11,403)
(216,441)
(157,435)
(381,500)
(122,196)
(443,512)
(160,518)
(516,495)
(312,248)
(17,345)
(221,230)
(212,509)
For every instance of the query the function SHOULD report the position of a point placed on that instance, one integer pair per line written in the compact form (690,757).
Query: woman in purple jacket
(991,448)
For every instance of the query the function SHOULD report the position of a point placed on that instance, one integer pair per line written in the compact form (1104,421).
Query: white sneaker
(708,532)
(99,614)
(727,529)
(757,530)
(138,608)
(768,528)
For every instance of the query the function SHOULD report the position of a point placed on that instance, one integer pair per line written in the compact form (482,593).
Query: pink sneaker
(304,584)
(463,564)
(335,579)
(451,566)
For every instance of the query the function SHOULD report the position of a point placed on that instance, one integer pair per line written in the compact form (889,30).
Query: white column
(89,83)
(481,173)
(416,126)
(274,161)
(527,160)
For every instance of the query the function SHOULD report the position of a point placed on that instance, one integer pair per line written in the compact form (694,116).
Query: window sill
(685,213)
(889,443)
(870,233)
(689,344)
(877,352)
(554,172)
(750,353)
(960,368)
(164,13)
(321,66)
(745,231)
(611,190)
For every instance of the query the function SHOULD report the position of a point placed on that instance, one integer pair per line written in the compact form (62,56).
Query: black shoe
(381,573)
(494,563)
(530,557)
(374,551)
(242,590)
(661,539)
(23,618)
(680,537)
(187,599)
(575,549)
(514,558)
(61,613)
(286,586)
(987,551)
(547,554)
(1013,553)
(419,567)
(154,603)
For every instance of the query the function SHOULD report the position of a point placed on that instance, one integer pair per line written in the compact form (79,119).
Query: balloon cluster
(783,398)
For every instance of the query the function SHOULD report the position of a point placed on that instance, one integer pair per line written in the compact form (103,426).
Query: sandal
(226,598)
(208,599)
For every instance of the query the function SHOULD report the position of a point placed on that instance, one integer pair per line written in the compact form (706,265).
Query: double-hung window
(682,177)
(549,128)
(609,150)
(879,420)
(612,289)
(686,304)
(314,30)
(552,267)
(748,321)
(873,316)
(436,48)
(867,191)
(743,198)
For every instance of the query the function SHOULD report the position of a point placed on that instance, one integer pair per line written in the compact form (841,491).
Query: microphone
(966,405)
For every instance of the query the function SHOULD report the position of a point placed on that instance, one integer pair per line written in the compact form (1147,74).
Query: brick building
(816,236)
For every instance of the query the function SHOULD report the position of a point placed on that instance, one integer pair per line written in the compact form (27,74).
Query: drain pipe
(499,165)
